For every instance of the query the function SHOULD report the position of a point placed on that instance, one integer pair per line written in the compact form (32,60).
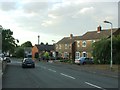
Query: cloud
(46,23)
(35,7)
(52,16)
(86,10)
(7,6)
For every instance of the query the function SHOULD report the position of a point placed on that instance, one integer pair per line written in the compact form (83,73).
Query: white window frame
(56,46)
(78,43)
(66,54)
(59,46)
(66,46)
(84,42)
(77,55)
(84,53)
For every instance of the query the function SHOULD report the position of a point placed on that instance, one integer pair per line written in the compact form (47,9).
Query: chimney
(71,36)
(98,29)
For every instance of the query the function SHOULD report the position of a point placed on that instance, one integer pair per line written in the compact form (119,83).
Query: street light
(111,42)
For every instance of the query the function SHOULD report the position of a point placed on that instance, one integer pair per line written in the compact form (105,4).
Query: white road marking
(94,85)
(51,70)
(43,67)
(67,75)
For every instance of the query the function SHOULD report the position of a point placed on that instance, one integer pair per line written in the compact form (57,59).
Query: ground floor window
(77,55)
(66,55)
(84,54)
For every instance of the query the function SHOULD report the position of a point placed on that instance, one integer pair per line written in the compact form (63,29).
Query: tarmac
(91,69)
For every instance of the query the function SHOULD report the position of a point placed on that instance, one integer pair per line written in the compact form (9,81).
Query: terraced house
(83,44)
(66,46)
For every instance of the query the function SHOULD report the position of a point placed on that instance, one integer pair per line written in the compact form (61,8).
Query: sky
(54,19)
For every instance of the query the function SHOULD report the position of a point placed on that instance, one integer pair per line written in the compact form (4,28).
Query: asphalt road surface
(52,75)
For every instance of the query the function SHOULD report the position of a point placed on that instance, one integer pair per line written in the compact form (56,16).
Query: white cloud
(86,10)
(55,18)
(52,16)
(47,23)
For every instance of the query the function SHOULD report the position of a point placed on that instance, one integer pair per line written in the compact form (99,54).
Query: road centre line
(94,85)
(43,67)
(67,75)
(51,70)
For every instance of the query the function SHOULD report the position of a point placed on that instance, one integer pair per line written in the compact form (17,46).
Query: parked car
(77,61)
(28,62)
(84,60)
(8,59)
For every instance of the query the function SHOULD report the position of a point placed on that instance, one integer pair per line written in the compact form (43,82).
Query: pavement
(93,69)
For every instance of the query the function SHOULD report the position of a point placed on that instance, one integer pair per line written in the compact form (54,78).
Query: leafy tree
(27,44)
(20,52)
(46,55)
(8,40)
(102,51)
(42,43)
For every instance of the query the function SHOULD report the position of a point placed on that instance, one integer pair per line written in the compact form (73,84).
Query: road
(54,75)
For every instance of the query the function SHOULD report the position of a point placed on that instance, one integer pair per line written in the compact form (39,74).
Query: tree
(8,40)
(102,51)
(20,52)
(27,44)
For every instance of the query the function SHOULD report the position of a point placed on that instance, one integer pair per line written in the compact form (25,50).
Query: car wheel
(84,63)
(33,66)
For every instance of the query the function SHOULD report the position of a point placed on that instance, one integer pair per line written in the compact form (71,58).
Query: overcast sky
(55,19)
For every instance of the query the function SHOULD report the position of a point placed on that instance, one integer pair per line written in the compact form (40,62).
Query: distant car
(8,59)
(28,62)
(84,60)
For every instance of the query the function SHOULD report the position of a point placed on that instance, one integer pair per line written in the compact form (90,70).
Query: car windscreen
(28,60)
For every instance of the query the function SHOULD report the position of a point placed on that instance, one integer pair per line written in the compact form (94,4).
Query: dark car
(28,62)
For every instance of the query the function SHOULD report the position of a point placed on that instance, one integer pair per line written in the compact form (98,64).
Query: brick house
(40,49)
(65,45)
(84,45)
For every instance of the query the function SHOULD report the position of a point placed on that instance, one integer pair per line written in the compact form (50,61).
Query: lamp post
(111,42)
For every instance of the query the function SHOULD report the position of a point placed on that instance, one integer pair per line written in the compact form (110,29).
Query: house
(40,49)
(84,45)
(64,47)
(28,52)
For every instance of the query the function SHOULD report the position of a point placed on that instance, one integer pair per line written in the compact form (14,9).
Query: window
(78,43)
(93,41)
(66,55)
(56,46)
(59,46)
(84,44)
(77,55)
(66,46)
(84,54)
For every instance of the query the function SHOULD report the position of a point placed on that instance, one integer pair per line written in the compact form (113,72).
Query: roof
(45,47)
(95,35)
(67,40)
(91,35)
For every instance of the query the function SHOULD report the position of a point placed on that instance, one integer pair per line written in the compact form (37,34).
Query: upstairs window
(56,46)
(66,46)
(84,44)
(78,43)
(59,46)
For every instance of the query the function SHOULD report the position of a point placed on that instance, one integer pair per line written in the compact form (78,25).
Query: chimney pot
(98,29)
(71,36)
